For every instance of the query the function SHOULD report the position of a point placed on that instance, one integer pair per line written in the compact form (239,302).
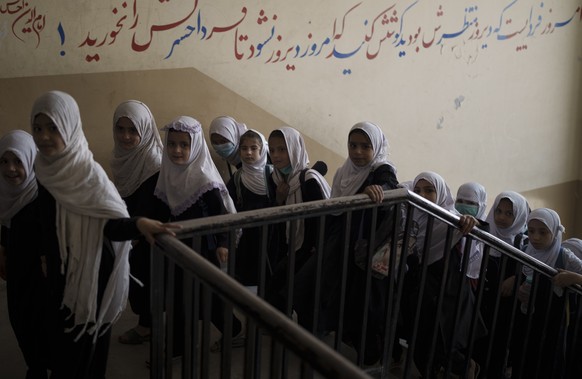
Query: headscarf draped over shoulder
(180,186)
(230,129)
(14,198)
(349,177)
(519,225)
(130,168)
(549,256)
(85,200)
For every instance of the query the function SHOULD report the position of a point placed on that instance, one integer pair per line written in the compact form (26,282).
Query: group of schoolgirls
(91,229)
(506,315)
(77,270)
(66,235)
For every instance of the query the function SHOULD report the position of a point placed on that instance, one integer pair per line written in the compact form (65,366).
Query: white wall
(504,112)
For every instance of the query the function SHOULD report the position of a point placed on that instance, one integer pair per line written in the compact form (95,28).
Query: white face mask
(225,150)
(467,209)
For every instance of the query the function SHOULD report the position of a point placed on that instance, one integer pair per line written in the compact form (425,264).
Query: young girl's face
(46,136)
(178,146)
(250,150)
(539,235)
(278,152)
(360,149)
(503,215)
(12,169)
(425,189)
(126,135)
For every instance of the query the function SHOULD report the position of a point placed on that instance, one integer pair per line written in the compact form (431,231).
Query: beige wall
(499,103)
(168,93)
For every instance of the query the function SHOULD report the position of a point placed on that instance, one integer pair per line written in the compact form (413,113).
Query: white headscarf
(228,128)
(574,245)
(475,192)
(253,175)
(14,198)
(551,220)
(299,161)
(349,178)
(85,201)
(180,186)
(439,232)
(520,212)
(131,168)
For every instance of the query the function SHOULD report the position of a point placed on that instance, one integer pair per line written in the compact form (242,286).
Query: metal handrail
(321,357)
(309,348)
(342,204)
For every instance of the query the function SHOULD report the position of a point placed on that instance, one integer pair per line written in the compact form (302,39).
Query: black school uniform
(247,253)
(278,249)
(83,358)
(142,202)
(209,204)
(356,280)
(26,289)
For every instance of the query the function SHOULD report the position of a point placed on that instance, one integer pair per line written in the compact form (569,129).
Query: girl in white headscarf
(249,187)
(432,187)
(291,164)
(225,133)
(507,220)
(290,159)
(82,215)
(545,244)
(472,200)
(191,187)
(135,166)
(367,170)
(137,152)
(20,259)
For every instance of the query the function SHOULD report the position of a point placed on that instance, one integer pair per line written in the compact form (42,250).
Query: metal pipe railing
(306,345)
(321,357)
(258,217)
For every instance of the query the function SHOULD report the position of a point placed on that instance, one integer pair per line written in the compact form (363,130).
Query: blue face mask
(467,209)
(286,170)
(225,149)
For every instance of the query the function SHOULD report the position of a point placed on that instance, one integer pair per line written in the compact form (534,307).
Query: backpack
(319,166)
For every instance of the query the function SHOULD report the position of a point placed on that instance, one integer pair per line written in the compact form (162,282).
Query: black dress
(142,202)
(361,226)
(248,250)
(384,176)
(209,204)
(276,291)
(82,358)
(26,289)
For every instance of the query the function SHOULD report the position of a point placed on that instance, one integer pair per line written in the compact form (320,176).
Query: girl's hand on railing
(507,286)
(566,278)
(149,228)
(466,223)
(375,192)
(222,254)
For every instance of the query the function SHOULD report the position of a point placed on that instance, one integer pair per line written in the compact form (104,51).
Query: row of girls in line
(367,170)
(255,184)
(66,237)
(503,324)
(177,180)
(77,272)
